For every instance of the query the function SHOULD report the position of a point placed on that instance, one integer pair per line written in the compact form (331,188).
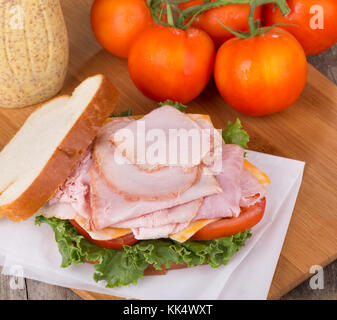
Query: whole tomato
(316,22)
(232,15)
(261,74)
(117,23)
(170,63)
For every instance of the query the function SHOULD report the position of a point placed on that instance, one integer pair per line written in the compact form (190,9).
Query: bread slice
(42,154)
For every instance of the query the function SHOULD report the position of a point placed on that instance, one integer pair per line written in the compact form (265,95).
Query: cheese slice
(105,234)
(257,173)
(187,233)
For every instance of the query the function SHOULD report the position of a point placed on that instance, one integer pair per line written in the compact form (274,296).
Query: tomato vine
(183,18)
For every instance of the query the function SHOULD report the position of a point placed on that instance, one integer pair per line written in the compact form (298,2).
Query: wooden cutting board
(307,131)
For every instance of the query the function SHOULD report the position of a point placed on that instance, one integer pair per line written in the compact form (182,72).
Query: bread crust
(65,157)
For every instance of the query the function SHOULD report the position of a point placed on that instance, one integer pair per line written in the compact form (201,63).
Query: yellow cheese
(257,173)
(187,233)
(105,234)
(197,116)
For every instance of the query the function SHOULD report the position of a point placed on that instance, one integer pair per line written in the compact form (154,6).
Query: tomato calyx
(254,26)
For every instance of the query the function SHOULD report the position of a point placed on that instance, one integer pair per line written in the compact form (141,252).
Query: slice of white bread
(40,157)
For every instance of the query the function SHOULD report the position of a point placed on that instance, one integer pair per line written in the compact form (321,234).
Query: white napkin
(247,276)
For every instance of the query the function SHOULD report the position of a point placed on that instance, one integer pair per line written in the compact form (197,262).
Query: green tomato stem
(177,17)
(169,14)
(253,26)
(210,5)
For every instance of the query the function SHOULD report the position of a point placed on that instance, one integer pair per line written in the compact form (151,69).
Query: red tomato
(248,218)
(232,15)
(169,63)
(116,244)
(117,23)
(307,15)
(263,74)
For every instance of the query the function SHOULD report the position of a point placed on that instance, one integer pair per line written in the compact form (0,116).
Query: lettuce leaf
(234,134)
(123,267)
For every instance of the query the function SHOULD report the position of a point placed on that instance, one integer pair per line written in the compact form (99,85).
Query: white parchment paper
(32,252)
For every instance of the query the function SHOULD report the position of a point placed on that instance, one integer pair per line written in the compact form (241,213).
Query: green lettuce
(234,134)
(123,267)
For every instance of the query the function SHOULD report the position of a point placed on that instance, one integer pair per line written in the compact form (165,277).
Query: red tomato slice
(248,218)
(116,244)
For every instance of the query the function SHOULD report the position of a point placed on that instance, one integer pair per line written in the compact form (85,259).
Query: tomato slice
(248,218)
(116,244)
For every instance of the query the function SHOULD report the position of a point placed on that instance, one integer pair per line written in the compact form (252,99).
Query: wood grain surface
(306,131)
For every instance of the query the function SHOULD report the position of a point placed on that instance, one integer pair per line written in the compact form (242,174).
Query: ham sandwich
(111,192)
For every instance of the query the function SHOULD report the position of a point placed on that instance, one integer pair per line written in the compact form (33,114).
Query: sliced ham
(213,159)
(162,129)
(227,203)
(126,179)
(106,190)
(183,213)
(153,233)
(158,232)
(252,190)
(110,209)
(74,192)
(60,210)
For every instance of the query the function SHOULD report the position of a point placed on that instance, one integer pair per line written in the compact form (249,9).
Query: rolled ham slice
(177,134)
(126,179)
(252,191)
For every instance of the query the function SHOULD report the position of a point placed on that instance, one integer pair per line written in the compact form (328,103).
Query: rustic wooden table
(327,64)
